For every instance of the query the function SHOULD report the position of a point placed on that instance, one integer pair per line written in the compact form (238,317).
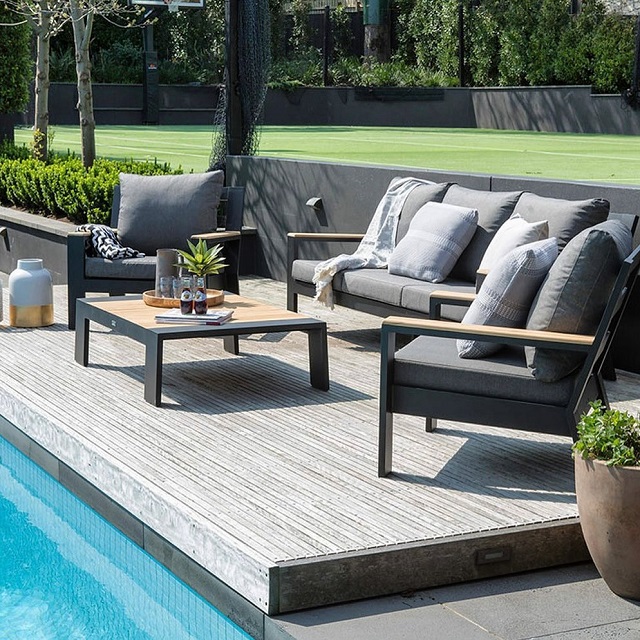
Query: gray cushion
(126,268)
(507,292)
(416,296)
(164,211)
(415,200)
(575,292)
(433,363)
(515,232)
(494,208)
(372,284)
(437,235)
(567,218)
(303,270)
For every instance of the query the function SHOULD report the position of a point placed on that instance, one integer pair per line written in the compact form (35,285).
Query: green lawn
(598,158)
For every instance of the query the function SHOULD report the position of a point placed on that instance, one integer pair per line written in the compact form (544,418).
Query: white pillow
(515,232)
(437,235)
(507,293)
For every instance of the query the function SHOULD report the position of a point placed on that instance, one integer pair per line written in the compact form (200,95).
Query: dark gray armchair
(154,212)
(427,378)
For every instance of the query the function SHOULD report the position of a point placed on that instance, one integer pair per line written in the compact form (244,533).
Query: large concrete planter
(609,509)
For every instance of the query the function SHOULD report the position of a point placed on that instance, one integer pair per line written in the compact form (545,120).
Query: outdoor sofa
(377,291)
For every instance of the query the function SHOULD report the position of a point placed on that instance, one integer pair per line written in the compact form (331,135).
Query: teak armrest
(79,234)
(331,237)
(442,296)
(488,333)
(217,235)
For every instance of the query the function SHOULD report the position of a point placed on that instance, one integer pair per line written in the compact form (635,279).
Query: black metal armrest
(452,298)
(488,333)
(481,274)
(294,240)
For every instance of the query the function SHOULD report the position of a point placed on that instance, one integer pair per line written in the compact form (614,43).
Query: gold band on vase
(31,316)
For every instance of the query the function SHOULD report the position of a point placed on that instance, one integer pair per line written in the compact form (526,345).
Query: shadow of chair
(87,273)
(427,378)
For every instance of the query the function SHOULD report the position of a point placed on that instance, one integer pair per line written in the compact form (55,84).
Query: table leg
(231,344)
(318,358)
(82,339)
(153,369)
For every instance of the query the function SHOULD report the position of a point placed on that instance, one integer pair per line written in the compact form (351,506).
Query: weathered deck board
(247,468)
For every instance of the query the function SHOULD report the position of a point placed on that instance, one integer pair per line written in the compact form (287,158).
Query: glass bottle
(200,296)
(186,296)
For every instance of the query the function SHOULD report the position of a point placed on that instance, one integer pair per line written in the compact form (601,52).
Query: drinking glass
(166,286)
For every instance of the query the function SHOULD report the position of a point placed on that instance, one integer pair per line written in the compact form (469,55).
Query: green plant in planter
(202,260)
(610,435)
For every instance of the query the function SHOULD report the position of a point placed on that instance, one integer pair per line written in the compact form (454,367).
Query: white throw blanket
(376,246)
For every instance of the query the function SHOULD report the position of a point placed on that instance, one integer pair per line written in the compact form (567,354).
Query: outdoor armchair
(151,213)
(427,378)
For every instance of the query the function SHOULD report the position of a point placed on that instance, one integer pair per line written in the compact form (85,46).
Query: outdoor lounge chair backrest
(231,200)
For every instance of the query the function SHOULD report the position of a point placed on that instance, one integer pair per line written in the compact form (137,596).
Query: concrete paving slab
(629,630)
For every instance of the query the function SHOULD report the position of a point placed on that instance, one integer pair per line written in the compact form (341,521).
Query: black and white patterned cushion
(105,244)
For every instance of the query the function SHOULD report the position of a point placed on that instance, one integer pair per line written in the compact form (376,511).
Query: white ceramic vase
(30,295)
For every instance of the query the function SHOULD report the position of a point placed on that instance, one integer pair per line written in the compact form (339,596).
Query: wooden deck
(270,484)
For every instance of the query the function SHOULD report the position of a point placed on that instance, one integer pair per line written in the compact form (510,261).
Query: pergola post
(234,120)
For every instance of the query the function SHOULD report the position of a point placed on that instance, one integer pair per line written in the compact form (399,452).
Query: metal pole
(461,42)
(150,80)
(234,124)
(326,45)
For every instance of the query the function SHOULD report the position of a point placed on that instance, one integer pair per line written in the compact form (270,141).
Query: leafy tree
(15,63)
(518,23)
(552,21)
(484,35)
(613,53)
(575,59)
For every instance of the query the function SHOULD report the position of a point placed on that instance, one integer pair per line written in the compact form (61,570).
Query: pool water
(67,574)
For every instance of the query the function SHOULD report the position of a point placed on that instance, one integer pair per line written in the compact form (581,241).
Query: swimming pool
(66,573)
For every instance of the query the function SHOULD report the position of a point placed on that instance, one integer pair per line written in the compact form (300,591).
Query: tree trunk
(82,25)
(41,119)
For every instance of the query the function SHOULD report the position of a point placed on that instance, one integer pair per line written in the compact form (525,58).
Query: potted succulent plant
(607,466)
(201,260)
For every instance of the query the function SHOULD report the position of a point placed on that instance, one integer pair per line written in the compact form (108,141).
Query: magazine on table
(212,316)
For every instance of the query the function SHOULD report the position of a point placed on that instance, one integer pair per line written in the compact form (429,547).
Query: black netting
(253,71)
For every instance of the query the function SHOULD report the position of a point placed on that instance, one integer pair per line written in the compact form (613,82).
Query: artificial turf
(570,156)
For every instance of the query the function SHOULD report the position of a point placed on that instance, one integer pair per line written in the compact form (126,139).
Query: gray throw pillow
(436,237)
(574,294)
(507,292)
(567,218)
(515,232)
(165,211)
(494,208)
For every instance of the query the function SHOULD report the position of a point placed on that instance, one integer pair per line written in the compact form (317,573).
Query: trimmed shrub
(63,188)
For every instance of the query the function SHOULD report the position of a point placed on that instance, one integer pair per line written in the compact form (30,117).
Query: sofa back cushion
(437,236)
(507,292)
(165,211)
(494,208)
(567,218)
(574,294)
(415,200)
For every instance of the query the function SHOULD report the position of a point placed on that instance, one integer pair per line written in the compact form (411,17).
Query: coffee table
(131,317)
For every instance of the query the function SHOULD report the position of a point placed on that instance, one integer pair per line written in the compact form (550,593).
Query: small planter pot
(609,508)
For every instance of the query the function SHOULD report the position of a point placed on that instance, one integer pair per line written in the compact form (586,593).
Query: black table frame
(153,339)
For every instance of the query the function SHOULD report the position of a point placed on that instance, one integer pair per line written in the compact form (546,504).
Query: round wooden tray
(214,298)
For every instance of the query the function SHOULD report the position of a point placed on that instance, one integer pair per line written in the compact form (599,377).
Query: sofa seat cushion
(416,296)
(433,363)
(165,211)
(373,284)
(303,270)
(575,292)
(125,269)
(494,208)
(438,234)
(506,295)
(567,218)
